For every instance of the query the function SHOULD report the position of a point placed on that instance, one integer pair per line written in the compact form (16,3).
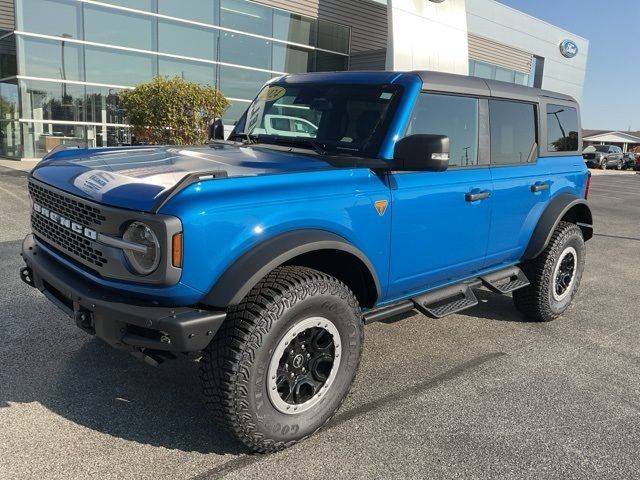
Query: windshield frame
(370,149)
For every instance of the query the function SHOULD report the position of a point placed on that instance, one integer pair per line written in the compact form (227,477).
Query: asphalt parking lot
(481,394)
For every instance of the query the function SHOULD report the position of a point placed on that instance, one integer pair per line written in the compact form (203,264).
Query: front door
(440,220)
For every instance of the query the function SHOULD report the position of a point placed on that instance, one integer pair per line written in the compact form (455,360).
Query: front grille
(70,208)
(67,240)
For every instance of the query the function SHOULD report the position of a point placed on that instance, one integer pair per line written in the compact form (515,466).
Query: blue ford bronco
(339,199)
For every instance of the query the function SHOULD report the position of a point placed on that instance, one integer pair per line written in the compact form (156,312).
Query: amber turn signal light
(176,250)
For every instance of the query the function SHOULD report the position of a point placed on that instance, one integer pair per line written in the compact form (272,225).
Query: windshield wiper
(302,142)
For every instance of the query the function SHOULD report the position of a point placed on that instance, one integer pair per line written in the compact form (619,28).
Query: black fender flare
(239,278)
(551,217)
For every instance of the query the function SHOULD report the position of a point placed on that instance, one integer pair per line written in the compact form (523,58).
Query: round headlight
(142,261)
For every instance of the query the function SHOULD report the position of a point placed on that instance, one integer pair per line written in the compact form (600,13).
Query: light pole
(555,114)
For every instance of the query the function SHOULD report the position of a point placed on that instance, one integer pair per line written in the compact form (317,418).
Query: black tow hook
(84,321)
(26,275)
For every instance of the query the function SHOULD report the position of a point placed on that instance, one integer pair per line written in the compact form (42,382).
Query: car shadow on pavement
(494,306)
(45,358)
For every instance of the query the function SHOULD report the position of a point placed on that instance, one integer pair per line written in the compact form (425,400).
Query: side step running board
(505,281)
(445,301)
(454,298)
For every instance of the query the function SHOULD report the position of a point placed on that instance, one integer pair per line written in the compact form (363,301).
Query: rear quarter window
(513,132)
(562,128)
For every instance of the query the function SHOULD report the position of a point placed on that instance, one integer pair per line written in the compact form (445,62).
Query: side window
(513,131)
(562,128)
(453,116)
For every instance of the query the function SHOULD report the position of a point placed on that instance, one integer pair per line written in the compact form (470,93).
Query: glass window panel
(330,62)
(453,116)
(483,70)
(234,112)
(292,59)
(246,17)
(49,58)
(204,11)
(294,28)
(185,39)
(203,73)
(244,50)
(50,17)
(562,128)
(115,27)
(513,131)
(103,105)
(104,136)
(52,101)
(145,5)
(8,66)
(505,75)
(241,83)
(40,138)
(332,36)
(10,139)
(9,100)
(522,78)
(118,67)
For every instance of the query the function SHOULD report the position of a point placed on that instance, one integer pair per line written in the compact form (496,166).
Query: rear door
(521,183)
(440,220)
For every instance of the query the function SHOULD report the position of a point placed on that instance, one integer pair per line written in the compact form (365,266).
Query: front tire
(555,276)
(603,164)
(285,358)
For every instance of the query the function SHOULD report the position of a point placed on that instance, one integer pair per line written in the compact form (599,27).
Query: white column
(426,35)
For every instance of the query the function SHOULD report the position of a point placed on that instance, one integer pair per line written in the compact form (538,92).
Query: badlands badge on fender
(381,206)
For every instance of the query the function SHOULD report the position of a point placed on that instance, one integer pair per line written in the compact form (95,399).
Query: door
(521,183)
(440,220)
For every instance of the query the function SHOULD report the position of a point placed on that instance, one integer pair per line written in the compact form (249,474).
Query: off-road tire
(537,301)
(233,368)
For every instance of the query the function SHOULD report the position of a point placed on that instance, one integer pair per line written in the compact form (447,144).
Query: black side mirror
(422,152)
(216,129)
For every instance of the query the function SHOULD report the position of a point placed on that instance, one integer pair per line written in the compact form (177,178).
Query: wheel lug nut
(292,374)
(308,355)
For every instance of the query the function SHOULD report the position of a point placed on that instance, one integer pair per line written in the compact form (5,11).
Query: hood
(136,177)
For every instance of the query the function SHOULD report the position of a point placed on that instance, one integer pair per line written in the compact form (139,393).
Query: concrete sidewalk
(25,165)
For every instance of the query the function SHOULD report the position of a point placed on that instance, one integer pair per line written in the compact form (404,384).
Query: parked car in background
(628,160)
(603,156)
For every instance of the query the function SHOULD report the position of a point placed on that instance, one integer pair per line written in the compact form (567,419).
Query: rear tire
(285,358)
(554,275)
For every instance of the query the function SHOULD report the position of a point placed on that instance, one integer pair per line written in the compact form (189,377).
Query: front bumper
(125,323)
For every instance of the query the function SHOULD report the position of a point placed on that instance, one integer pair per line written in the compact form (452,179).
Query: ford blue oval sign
(568,48)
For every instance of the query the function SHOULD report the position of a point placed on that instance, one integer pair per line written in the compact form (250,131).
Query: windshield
(596,148)
(338,118)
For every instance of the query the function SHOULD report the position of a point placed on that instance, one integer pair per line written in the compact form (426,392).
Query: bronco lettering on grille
(65,222)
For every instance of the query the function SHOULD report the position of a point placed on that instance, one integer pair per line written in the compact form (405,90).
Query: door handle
(475,196)
(539,187)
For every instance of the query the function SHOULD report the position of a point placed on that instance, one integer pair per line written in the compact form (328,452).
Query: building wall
(367,19)
(6,16)
(74,57)
(495,21)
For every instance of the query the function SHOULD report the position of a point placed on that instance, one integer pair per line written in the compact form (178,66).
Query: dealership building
(63,62)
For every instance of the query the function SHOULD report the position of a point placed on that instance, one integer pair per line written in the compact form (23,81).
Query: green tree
(172,111)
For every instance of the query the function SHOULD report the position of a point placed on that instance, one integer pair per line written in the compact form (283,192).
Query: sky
(611,95)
